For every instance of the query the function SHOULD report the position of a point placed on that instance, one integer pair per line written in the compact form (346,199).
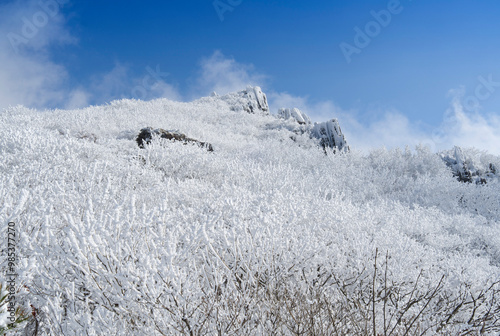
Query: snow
(115,239)
(295,114)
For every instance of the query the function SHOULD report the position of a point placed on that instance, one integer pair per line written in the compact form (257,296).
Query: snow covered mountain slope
(264,235)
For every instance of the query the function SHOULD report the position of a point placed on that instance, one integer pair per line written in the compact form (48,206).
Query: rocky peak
(251,100)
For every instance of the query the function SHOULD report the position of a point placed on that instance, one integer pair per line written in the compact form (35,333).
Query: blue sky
(422,72)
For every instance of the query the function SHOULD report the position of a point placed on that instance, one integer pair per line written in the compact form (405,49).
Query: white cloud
(119,83)
(77,98)
(27,75)
(30,82)
(468,129)
(391,130)
(223,75)
(166,90)
(279,100)
(110,85)
(34,25)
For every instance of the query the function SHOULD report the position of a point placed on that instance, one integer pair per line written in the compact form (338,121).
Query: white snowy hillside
(220,217)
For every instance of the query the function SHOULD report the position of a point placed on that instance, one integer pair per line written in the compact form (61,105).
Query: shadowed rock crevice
(147,134)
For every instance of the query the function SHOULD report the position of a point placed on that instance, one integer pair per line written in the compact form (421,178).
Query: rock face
(330,135)
(251,100)
(294,114)
(468,170)
(147,134)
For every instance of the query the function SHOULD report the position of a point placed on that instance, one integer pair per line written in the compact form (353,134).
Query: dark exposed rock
(147,134)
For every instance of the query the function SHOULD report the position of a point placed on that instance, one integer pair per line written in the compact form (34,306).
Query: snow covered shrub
(86,136)
(265,236)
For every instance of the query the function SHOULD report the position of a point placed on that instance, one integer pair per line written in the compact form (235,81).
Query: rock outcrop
(147,134)
(330,135)
(468,170)
(294,114)
(251,100)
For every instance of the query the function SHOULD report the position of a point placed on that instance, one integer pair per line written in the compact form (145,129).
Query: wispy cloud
(468,129)
(77,98)
(30,77)
(27,75)
(224,74)
(34,25)
(120,83)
